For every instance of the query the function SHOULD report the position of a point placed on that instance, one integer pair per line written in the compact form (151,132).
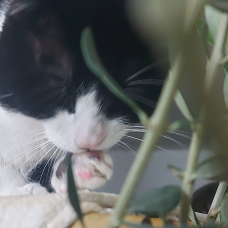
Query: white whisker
(177,142)
(183,135)
(48,162)
(143,100)
(151,66)
(127,147)
(146,82)
(26,153)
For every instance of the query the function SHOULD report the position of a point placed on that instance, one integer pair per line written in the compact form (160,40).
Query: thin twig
(156,126)
(195,147)
(211,217)
(188,181)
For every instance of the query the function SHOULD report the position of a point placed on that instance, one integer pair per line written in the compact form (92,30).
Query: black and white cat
(50,102)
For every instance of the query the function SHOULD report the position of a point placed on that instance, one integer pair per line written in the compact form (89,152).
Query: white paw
(91,170)
(29,189)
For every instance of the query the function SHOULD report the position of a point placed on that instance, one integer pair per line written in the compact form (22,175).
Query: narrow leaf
(177,172)
(181,104)
(225,89)
(179,124)
(204,31)
(224,211)
(211,168)
(157,202)
(72,192)
(193,217)
(94,63)
(206,36)
(213,19)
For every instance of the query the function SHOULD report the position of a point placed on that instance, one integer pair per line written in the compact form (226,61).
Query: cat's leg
(91,170)
(12,182)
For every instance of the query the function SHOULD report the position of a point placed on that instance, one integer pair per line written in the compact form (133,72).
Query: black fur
(41,65)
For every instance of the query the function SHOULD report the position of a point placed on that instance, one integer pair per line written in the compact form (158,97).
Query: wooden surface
(94,220)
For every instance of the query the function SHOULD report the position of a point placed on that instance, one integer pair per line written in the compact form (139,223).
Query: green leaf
(94,63)
(211,168)
(224,211)
(221,5)
(137,225)
(206,36)
(179,124)
(72,192)
(157,202)
(213,19)
(202,28)
(181,104)
(225,89)
(177,172)
(193,217)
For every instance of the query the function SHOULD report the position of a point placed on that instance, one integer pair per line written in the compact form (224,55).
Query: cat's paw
(91,170)
(29,189)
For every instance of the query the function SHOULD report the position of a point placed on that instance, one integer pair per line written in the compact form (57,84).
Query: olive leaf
(206,36)
(211,168)
(179,124)
(213,19)
(225,89)
(94,63)
(224,210)
(204,31)
(177,172)
(72,192)
(157,202)
(193,217)
(181,104)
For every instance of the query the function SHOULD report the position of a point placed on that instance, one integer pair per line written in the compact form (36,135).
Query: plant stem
(188,181)
(217,200)
(195,146)
(157,124)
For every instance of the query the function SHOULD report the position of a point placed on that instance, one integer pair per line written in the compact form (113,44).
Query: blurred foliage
(195,59)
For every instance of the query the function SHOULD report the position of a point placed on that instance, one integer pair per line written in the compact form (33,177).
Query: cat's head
(43,74)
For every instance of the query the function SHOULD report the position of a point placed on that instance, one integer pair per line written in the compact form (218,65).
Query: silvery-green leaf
(181,104)
(211,168)
(157,202)
(206,36)
(176,171)
(213,19)
(193,217)
(225,90)
(178,125)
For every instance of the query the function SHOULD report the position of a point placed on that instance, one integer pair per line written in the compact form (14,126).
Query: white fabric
(49,210)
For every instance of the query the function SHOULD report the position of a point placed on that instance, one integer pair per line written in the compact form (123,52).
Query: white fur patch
(4,5)
(86,126)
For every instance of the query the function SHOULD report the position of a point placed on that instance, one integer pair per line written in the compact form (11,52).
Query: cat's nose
(90,138)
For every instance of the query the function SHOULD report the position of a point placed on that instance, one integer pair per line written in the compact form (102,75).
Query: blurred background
(172,150)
